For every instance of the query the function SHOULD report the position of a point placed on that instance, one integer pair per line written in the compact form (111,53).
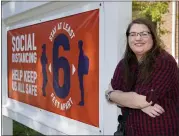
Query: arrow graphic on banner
(73,69)
(50,69)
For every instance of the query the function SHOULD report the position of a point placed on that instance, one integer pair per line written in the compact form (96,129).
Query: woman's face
(140,40)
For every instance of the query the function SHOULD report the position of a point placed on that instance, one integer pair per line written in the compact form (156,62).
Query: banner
(54,66)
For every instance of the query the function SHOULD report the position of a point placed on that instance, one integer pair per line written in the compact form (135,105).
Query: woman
(145,83)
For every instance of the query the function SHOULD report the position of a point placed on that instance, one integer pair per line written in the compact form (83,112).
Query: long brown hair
(148,59)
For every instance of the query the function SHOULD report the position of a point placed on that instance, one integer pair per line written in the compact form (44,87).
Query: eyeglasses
(143,34)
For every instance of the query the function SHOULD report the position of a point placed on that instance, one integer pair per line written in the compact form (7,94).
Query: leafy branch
(153,11)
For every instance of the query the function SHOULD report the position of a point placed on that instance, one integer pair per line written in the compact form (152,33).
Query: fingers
(159,109)
(156,110)
(155,113)
(151,115)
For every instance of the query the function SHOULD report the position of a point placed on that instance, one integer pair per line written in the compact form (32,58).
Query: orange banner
(54,66)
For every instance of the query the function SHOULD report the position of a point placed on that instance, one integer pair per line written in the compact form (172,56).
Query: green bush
(21,130)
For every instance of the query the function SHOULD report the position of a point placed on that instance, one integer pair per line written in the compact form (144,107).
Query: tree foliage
(153,11)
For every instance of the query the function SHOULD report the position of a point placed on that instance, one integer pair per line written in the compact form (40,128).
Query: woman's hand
(153,111)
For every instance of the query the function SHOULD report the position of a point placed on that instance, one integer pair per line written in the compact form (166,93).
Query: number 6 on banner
(61,62)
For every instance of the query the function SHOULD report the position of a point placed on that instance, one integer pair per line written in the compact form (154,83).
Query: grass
(21,130)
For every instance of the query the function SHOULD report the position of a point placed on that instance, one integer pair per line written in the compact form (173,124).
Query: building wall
(167,38)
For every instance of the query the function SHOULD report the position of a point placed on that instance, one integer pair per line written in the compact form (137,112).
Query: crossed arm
(135,101)
(128,99)
(163,76)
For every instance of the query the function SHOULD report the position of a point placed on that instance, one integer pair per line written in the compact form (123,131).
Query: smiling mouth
(139,44)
